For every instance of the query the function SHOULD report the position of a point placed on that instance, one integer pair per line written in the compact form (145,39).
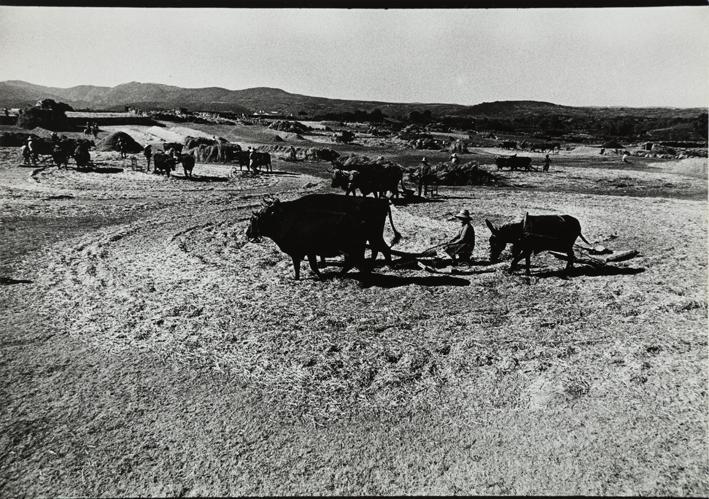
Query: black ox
(514,163)
(325,225)
(260,159)
(535,234)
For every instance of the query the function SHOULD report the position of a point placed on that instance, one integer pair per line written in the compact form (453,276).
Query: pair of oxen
(328,225)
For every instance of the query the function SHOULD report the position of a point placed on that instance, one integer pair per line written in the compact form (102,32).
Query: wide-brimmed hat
(463,215)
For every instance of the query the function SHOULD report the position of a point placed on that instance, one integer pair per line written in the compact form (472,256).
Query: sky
(579,57)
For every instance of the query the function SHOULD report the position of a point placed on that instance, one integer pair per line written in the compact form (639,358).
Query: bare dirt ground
(149,349)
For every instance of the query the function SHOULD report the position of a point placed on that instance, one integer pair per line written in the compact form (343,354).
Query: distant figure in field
(454,159)
(546,164)
(603,150)
(148,153)
(32,151)
(462,245)
(122,148)
(625,158)
(252,155)
(291,153)
(424,171)
(94,130)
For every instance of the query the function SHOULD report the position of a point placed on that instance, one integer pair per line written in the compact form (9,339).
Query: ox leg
(314,265)
(527,259)
(296,265)
(516,257)
(571,258)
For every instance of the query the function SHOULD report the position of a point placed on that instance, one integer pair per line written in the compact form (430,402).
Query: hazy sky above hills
(604,57)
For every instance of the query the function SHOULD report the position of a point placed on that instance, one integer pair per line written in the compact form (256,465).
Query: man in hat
(424,173)
(460,248)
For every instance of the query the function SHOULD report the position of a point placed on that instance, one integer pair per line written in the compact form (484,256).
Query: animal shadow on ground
(588,271)
(8,281)
(280,173)
(393,281)
(200,178)
(100,169)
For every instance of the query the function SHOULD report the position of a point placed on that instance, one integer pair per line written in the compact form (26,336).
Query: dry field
(148,348)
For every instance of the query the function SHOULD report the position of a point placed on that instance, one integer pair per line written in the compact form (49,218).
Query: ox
(509,144)
(535,234)
(260,159)
(372,212)
(301,231)
(375,179)
(187,161)
(514,162)
(163,163)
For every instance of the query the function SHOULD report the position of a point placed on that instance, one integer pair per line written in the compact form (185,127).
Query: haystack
(289,126)
(361,163)
(459,174)
(110,143)
(192,142)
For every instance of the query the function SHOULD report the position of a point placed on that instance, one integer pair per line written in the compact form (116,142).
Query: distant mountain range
(529,117)
(17,93)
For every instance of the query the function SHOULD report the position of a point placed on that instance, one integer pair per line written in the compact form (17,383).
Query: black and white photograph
(308,250)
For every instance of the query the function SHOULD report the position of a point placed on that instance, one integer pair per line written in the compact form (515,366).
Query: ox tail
(397,234)
(583,238)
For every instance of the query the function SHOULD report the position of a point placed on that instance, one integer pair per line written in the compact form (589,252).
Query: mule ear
(490,226)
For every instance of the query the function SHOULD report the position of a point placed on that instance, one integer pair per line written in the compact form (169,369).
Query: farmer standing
(546,163)
(424,171)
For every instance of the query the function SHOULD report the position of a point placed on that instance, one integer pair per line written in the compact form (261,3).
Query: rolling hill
(521,115)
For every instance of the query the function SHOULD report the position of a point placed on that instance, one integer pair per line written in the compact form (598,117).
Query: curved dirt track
(149,349)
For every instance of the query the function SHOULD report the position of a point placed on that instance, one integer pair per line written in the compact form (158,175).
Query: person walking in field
(460,248)
(546,163)
(625,158)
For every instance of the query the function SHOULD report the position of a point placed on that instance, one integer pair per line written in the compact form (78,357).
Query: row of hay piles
(215,153)
(192,142)
(110,143)
(459,174)
(311,153)
(289,126)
